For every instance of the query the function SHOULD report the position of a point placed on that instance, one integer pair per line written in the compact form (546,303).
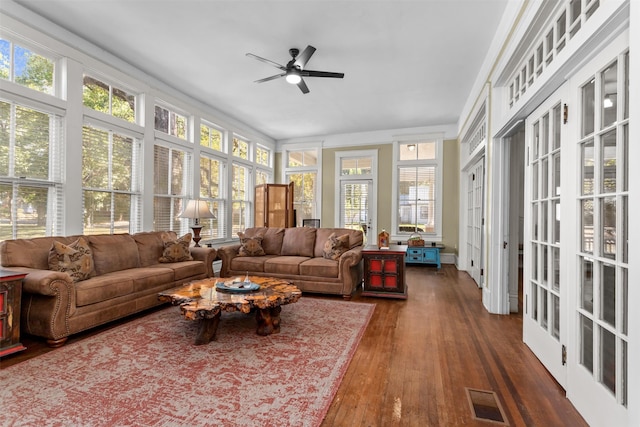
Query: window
(171,122)
(418,177)
(172,177)
(302,168)
(210,137)
(110,181)
(26,68)
(240,148)
(263,156)
(241,211)
(30,172)
(103,97)
(211,190)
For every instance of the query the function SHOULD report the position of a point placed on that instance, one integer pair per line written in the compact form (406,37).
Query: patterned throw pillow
(176,250)
(250,246)
(75,259)
(334,247)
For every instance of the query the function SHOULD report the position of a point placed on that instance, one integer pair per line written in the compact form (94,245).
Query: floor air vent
(485,406)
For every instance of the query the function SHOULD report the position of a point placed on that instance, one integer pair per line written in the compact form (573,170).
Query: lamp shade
(196,209)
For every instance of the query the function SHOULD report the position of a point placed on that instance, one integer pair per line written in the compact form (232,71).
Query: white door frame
(373,197)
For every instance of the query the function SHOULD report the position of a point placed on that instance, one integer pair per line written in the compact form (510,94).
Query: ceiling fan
(294,70)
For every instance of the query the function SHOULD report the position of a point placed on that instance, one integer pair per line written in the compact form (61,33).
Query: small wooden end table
(384,272)
(201,301)
(10,302)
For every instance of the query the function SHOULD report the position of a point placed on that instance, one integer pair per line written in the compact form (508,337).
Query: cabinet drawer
(414,258)
(414,252)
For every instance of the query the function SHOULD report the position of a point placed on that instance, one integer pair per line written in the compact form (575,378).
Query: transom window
(25,67)
(101,96)
(171,122)
(211,137)
(240,148)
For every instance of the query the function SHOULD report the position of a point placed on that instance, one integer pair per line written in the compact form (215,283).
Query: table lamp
(195,210)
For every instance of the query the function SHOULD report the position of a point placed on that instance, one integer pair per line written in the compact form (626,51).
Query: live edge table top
(200,300)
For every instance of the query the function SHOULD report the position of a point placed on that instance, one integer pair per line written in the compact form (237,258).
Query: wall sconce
(195,210)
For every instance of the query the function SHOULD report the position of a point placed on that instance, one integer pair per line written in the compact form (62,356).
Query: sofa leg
(57,343)
(346,297)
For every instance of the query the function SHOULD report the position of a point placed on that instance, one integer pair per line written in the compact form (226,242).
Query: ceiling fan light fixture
(293,77)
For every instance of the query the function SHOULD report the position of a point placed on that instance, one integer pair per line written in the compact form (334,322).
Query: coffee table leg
(268,320)
(207,329)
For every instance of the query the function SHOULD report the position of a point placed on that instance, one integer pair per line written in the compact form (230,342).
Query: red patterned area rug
(148,372)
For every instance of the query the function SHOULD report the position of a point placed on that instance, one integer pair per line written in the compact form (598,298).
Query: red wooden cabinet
(384,272)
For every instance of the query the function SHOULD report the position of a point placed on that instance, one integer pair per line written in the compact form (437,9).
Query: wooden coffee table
(201,301)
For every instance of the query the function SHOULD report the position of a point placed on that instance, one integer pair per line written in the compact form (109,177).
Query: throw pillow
(250,246)
(335,246)
(176,250)
(75,259)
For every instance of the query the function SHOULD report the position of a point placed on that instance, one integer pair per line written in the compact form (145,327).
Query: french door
(355,206)
(544,284)
(576,259)
(475,219)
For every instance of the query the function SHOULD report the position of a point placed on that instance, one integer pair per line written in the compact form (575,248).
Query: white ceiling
(406,63)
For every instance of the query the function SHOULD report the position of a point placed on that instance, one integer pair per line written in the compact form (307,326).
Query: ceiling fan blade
(303,86)
(267,61)
(303,58)
(266,79)
(312,73)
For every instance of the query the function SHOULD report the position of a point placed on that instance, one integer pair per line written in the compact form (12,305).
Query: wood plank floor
(417,356)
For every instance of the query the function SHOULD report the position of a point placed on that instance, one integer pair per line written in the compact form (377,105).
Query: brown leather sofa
(127,279)
(296,254)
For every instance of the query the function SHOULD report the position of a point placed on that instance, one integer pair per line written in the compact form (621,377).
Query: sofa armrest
(48,300)
(350,269)
(226,254)
(206,255)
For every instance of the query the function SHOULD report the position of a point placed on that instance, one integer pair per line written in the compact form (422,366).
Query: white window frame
(317,169)
(437,162)
(373,177)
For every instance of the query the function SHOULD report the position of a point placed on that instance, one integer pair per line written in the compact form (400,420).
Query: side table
(424,255)
(10,300)
(384,272)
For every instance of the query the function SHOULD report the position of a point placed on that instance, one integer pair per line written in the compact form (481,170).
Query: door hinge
(473,177)
(564,354)
(471,263)
(504,245)
(482,223)
(482,271)
(565,114)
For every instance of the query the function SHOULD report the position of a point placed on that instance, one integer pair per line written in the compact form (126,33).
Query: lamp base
(196,235)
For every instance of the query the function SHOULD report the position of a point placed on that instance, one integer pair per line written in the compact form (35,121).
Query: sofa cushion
(299,241)
(151,277)
(176,250)
(251,264)
(103,287)
(151,246)
(74,259)
(319,267)
(250,246)
(114,252)
(335,246)
(284,264)
(184,269)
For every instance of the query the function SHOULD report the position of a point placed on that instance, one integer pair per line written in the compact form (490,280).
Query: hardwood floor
(418,355)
